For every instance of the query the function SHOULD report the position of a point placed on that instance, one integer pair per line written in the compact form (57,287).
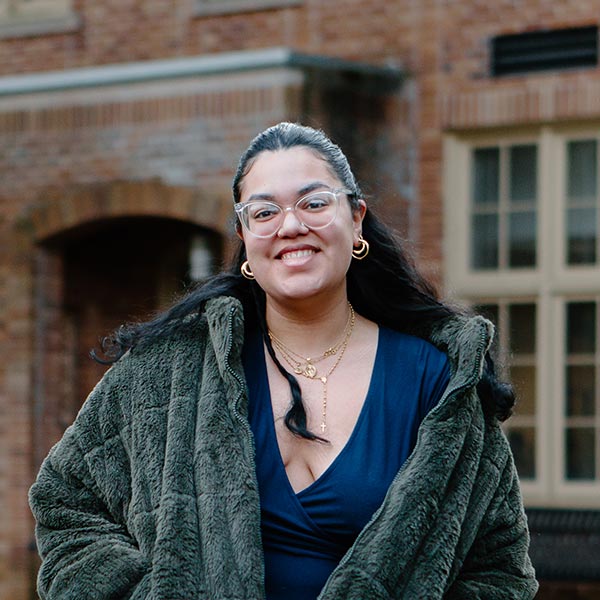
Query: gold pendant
(323,426)
(310,370)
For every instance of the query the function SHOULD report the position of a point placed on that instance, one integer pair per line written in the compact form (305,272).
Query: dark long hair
(385,287)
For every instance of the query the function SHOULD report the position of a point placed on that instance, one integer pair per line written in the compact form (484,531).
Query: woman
(311,423)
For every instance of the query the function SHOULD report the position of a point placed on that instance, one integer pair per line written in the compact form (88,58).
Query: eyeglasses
(315,211)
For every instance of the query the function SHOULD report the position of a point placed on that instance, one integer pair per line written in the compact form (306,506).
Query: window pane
(580,458)
(522,328)
(581,169)
(485,242)
(523,380)
(523,173)
(581,236)
(581,327)
(581,391)
(522,442)
(486,172)
(522,236)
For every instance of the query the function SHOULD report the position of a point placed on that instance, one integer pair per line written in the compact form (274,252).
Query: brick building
(473,126)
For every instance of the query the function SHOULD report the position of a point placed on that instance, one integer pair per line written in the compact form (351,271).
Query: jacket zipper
(241,420)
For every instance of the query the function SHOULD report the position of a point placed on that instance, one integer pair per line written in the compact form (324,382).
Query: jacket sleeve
(497,566)
(79,501)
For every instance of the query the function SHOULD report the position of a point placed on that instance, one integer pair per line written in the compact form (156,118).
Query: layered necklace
(305,365)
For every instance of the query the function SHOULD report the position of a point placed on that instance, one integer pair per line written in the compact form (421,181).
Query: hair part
(286,136)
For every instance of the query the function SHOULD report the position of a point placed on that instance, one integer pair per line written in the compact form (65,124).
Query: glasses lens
(262,218)
(317,210)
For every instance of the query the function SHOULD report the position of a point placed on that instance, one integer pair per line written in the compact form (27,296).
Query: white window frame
(552,283)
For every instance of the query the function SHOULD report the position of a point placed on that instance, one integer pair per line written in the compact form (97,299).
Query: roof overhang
(381,78)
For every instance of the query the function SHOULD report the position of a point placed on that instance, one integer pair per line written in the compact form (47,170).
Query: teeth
(297,254)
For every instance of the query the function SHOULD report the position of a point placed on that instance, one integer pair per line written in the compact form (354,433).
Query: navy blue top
(306,534)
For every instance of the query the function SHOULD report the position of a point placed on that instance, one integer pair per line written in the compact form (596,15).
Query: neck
(308,327)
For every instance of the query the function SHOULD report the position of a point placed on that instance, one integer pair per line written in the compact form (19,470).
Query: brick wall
(66,145)
(75,158)
(181,152)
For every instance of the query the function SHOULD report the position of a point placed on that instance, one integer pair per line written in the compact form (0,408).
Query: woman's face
(298,263)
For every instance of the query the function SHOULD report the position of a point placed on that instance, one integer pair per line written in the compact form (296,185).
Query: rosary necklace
(306,365)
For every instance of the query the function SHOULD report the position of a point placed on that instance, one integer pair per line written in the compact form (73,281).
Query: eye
(262,211)
(315,202)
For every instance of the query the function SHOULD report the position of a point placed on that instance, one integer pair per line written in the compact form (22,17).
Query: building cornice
(192,67)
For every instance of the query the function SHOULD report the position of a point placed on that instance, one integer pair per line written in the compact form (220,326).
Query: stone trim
(210,8)
(192,66)
(65,23)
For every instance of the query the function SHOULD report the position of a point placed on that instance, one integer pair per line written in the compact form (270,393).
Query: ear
(358,214)
(238,231)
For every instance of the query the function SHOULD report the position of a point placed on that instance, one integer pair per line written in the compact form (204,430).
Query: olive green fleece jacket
(152,492)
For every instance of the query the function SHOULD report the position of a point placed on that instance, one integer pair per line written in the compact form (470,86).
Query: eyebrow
(307,189)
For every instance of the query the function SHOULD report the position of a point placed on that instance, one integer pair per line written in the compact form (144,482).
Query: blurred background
(473,127)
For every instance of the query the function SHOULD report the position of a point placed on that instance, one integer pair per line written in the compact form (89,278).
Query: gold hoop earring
(362,250)
(246,270)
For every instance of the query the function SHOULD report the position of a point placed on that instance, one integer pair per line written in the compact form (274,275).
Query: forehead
(286,172)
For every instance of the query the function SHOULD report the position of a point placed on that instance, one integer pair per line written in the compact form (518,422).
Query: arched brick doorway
(120,270)
(104,257)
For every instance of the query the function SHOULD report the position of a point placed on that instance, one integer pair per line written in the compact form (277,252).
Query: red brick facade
(88,168)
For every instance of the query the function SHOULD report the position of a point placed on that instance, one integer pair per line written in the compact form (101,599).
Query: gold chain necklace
(308,370)
(305,365)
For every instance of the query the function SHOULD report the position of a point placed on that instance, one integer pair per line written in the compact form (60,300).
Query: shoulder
(465,339)
(150,361)
(185,332)
(410,348)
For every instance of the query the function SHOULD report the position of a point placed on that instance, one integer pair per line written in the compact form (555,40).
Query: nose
(291,226)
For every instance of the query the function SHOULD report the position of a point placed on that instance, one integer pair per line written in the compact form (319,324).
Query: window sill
(28,27)
(208,8)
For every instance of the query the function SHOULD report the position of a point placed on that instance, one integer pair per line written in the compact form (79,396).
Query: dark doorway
(108,273)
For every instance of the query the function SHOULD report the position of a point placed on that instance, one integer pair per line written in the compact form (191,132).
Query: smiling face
(298,263)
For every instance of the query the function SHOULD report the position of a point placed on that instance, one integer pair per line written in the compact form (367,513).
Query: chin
(301,293)
(301,290)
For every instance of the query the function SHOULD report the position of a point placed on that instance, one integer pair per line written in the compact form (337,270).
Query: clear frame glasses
(316,210)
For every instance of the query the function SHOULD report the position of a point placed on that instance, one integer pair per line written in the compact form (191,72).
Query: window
(214,7)
(504,197)
(545,50)
(582,368)
(32,17)
(522,245)
(515,345)
(581,204)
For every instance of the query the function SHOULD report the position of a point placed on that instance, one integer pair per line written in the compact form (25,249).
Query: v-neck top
(306,534)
